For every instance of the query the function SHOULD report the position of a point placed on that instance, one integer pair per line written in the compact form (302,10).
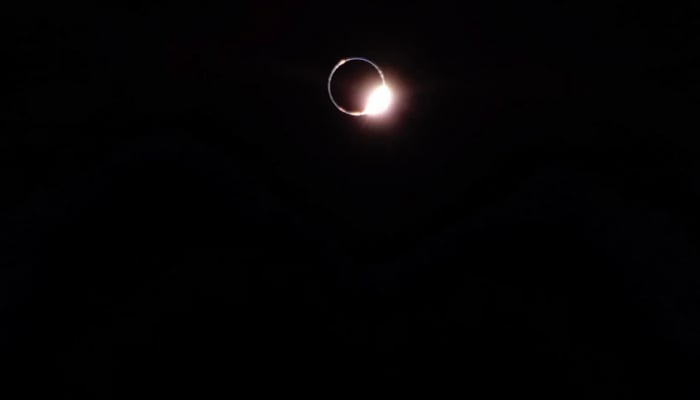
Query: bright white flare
(378,101)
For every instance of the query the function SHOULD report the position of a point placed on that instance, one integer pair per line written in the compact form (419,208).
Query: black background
(184,212)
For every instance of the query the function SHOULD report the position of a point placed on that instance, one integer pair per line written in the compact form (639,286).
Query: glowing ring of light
(330,79)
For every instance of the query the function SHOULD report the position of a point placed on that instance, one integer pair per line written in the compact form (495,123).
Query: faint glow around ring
(378,100)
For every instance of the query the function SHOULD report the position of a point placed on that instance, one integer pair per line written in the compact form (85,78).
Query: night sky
(184,213)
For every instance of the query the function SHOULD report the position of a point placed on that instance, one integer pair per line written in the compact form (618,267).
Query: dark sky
(184,212)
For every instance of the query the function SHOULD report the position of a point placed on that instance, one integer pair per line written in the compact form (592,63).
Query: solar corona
(379,99)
